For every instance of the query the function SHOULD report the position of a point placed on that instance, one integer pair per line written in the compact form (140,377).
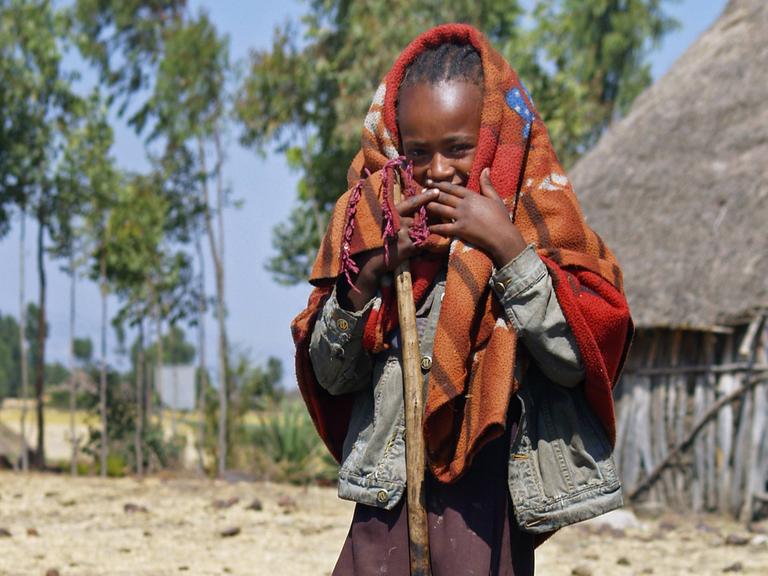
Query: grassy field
(57,431)
(278,443)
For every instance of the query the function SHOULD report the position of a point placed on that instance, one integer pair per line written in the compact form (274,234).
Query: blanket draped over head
(475,350)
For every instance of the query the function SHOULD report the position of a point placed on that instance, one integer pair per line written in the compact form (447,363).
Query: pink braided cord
(348,264)
(387,185)
(418,232)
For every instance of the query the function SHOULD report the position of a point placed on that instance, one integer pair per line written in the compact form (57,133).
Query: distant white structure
(176,386)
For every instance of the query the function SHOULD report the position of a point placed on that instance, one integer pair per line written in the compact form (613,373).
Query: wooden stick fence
(692,428)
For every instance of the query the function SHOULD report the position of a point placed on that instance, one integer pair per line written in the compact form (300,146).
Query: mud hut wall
(672,380)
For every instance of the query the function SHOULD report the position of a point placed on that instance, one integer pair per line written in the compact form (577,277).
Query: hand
(372,263)
(478,219)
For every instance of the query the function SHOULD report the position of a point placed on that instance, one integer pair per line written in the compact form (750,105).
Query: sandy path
(83,529)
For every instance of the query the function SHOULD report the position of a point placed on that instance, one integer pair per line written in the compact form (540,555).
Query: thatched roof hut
(679,189)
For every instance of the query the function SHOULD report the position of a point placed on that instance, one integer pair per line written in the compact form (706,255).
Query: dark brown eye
(416,154)
(460,149)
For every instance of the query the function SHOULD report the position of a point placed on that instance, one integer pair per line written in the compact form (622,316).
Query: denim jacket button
(342,324)
(382,496)
(426,363)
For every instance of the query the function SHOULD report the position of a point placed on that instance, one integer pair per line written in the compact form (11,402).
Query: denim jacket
(560,467)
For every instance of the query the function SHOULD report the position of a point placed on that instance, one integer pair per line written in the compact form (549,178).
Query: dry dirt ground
(160,526)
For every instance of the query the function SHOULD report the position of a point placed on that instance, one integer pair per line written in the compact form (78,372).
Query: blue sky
(260,310)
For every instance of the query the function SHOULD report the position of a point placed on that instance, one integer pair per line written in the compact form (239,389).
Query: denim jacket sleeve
(340,363)
(524,288)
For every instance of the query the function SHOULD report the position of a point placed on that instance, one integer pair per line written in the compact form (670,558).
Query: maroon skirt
(472,529)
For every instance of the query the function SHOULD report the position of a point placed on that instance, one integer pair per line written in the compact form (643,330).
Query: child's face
(439,127)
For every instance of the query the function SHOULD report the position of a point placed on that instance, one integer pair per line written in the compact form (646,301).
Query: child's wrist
(506,248)
(366,284)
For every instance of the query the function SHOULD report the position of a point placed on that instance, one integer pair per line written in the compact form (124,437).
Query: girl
(522,321)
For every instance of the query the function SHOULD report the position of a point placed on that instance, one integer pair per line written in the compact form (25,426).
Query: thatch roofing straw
(679,187)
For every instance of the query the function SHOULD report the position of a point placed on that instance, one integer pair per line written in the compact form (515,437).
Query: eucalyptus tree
(167,69)
(17,136)
(37,107)
(101,181)
(188,110)
(135,235)
(125,40)
(148,271)
(84,180)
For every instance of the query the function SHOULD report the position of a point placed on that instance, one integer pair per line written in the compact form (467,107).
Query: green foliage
(287,448)
(257,386)
(176,349)
(121,430)
(31,334)
(582,60)
(86,182)
(589,64)
(134,233)
(55,374)
(187,100)
(124,39)
(10,369)
(59,398)
(116,465)
(83,350)
(143,266)
(35,102)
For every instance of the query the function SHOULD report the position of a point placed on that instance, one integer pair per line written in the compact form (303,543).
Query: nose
(440,168)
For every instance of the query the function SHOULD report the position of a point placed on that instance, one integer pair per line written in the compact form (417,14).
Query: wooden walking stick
(418,535)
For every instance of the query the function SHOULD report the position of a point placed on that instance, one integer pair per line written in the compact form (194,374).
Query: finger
(441,211)
(447,229)
(452,189)
(406,222)
(447,199)
(485,185)
(402,250)
(413,203)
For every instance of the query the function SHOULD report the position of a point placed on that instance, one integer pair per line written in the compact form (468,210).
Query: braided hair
(443,63)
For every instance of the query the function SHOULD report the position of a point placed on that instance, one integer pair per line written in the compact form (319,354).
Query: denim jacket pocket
(373,462)
(561,470)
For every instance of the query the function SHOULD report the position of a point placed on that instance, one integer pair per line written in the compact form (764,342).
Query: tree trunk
(23,348)
(174,395)
(225,419)
(221,317)
(201,352)
(103,368)
(139,375)
(41,337)
(72,373)
(150,385)
(159,370)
